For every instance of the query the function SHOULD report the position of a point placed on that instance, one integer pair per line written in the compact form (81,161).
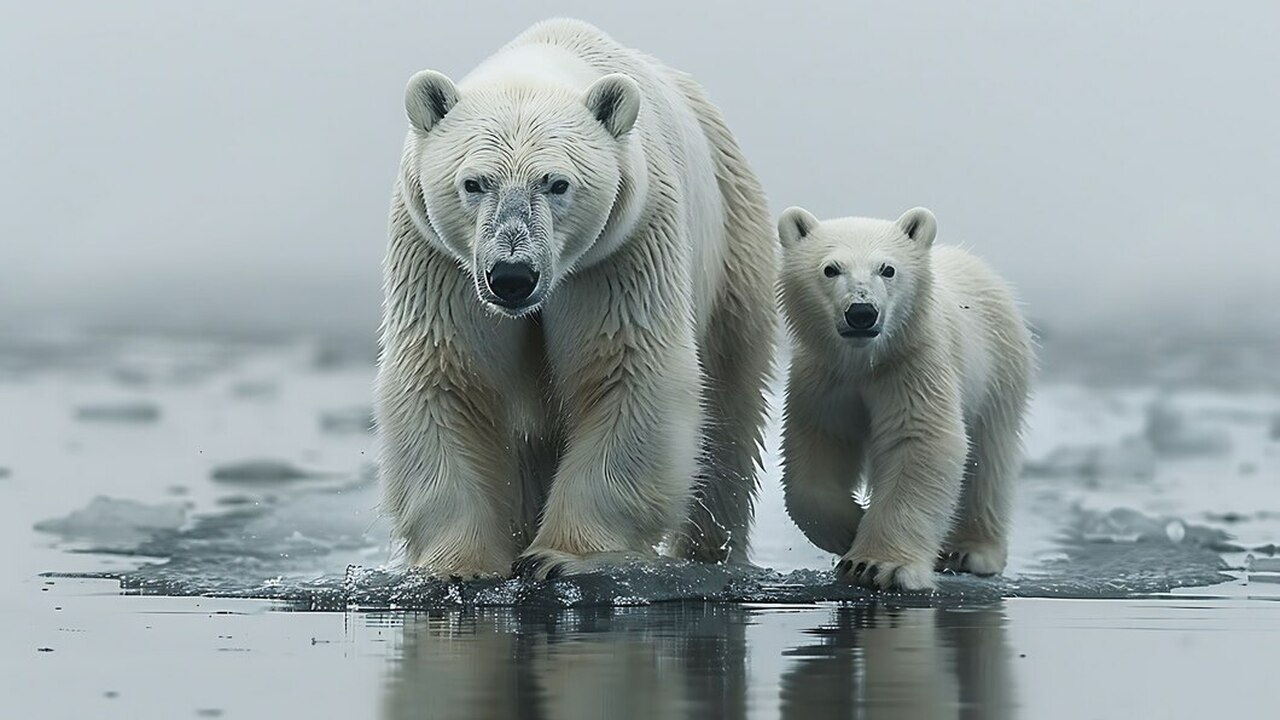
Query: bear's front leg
(625,363)
(821,463)
(447,470)
(918,450)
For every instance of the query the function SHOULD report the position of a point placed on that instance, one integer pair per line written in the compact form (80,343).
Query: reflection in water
(876,662)
(658,662)
(691,660)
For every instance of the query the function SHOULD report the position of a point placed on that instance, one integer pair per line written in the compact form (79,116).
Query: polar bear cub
(911,363)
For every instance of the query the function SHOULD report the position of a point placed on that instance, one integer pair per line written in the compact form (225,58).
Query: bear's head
(517,180)
(853,280)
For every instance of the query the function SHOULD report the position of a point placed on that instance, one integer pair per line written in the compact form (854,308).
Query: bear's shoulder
(571,34)
(967,278)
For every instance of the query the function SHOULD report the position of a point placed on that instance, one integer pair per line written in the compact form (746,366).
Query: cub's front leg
(821,463)
(917,458)
(621,348)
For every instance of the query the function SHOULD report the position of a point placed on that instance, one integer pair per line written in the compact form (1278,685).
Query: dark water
(194,532)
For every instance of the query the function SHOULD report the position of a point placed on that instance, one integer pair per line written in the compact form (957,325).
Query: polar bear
(577,318)
(912,363)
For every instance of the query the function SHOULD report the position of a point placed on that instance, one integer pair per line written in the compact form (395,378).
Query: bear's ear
(920,225)
(428,98)
(614,100)
(794,225)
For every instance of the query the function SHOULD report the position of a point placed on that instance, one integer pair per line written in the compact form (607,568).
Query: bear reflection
(917,663)
(690,661)
(656,662)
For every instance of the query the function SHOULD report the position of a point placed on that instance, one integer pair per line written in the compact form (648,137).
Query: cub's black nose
(861,316)
(513,283)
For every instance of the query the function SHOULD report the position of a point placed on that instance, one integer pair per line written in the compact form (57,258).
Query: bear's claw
(951,562)
(884,575)
(983,559)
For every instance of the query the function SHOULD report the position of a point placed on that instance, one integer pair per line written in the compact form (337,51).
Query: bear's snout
(512,282)
(861,316)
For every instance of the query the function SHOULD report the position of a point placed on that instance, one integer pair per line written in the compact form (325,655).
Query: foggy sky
(195,165)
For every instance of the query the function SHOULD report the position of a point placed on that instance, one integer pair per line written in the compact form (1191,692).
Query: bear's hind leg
(538,457)
(736,360)
(978,542)
(736,353)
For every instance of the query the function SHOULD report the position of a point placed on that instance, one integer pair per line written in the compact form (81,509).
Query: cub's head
(517,180)
(853,280)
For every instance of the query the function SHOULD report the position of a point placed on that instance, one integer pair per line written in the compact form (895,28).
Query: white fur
(622,403)
(931,408)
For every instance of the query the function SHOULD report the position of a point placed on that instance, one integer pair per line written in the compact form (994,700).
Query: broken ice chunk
(1265,564)
(108,520)
(1126,525)
(260,471)
(1131,458)
(255,389)
(129,412)
(1171,433)
(347,420)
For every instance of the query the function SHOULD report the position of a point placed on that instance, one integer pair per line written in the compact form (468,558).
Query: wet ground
(193,532)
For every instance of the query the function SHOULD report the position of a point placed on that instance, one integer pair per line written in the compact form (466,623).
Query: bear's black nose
(513,283)
(861,316)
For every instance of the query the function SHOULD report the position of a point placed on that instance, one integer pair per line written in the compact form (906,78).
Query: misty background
(229,166)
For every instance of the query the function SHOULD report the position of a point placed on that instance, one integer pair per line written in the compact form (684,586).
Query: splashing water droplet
(1176,531)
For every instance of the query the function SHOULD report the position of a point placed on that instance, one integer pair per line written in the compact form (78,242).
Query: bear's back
(989,335)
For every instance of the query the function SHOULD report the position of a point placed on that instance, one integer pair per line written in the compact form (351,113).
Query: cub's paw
(885,574)
(978,558)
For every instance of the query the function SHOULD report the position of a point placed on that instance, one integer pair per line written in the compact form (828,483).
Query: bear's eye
(831,271)
(471,186)
(559,187)
(887,271)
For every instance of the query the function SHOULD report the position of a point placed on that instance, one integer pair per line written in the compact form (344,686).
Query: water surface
(194,533)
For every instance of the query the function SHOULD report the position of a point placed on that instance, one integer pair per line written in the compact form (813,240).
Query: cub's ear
(428,98)
(920,225)
(615,101)
(794,225)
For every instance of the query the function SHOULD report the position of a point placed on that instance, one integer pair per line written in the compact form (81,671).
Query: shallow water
(183,469)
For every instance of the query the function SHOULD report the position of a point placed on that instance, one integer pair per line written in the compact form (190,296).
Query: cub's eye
(471,186)
(831,271)
(887,271)
(559,187)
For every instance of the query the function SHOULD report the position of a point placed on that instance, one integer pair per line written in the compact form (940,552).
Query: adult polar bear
(578,316)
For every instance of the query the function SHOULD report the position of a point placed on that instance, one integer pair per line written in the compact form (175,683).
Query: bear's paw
(983,559)
(885,574)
